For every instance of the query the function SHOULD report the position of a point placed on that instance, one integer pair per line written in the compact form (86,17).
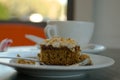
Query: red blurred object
(17,31)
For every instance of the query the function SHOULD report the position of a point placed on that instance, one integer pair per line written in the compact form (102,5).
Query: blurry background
(39,10)
(105,14)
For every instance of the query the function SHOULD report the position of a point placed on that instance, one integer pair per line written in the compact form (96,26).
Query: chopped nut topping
(60,42)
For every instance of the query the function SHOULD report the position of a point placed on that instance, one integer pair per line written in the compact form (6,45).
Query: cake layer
(61,51)
(61,56)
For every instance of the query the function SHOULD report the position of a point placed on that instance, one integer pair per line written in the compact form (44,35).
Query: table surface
(109,73)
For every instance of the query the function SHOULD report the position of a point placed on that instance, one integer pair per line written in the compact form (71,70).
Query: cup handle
(50,31)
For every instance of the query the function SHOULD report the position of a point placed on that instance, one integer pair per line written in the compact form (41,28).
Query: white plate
(13,51)
(93,48)
(90,48)
(55,71)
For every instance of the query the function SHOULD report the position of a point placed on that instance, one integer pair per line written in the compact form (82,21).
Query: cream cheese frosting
(60,42)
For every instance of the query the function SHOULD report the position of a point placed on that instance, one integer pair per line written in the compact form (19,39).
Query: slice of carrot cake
(60,51)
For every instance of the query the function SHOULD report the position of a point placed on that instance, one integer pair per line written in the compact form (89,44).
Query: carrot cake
(61,51)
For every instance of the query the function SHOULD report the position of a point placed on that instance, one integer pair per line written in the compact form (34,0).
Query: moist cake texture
(60,51)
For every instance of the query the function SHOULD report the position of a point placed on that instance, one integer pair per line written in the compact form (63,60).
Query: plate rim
(49,67)
(102,48)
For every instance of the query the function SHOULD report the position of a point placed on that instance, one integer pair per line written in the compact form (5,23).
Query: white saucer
(53,70)
(93,48)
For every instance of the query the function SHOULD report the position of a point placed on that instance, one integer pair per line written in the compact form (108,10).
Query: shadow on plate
(21,76)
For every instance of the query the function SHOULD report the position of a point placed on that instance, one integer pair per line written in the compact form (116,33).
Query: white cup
(80,31)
